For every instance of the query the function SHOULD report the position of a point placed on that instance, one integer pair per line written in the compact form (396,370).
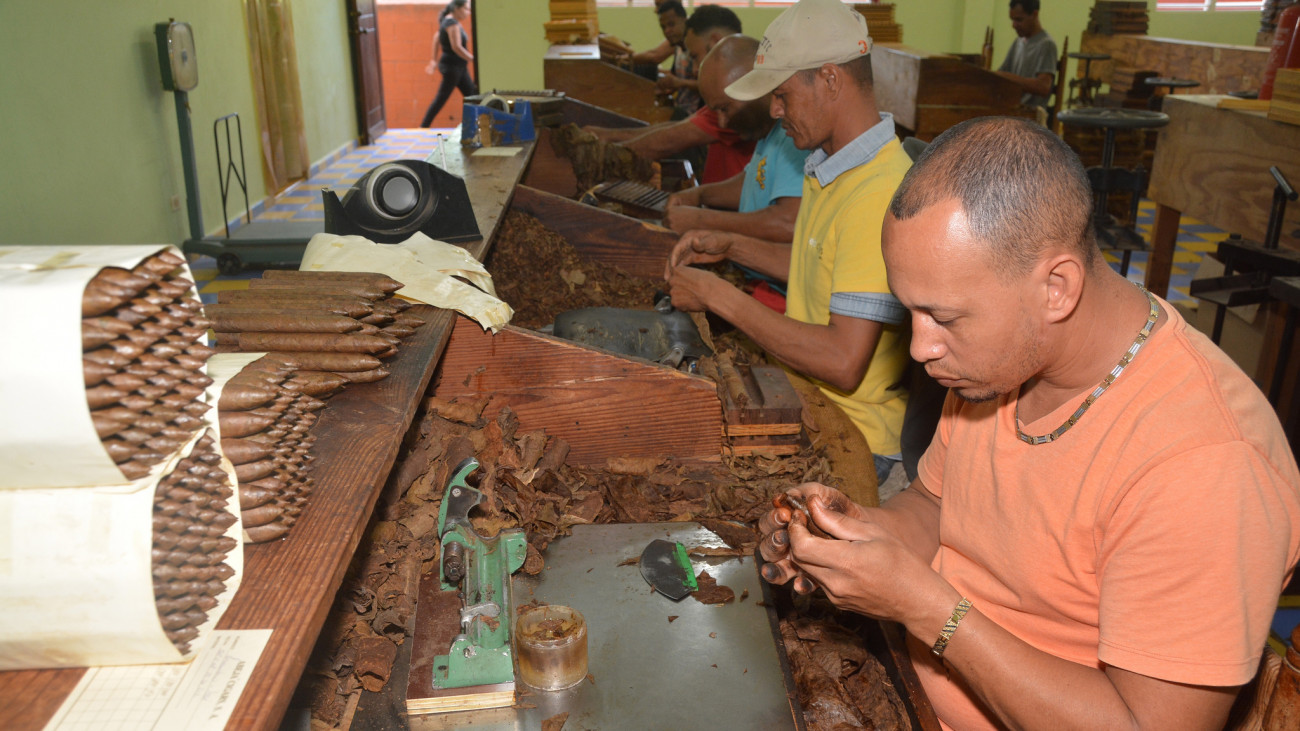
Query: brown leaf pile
(841,685)
(538,273)
(595,160)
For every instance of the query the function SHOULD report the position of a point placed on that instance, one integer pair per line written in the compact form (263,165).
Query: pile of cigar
(143,361)
(266,412)
(190,544)
(337,322)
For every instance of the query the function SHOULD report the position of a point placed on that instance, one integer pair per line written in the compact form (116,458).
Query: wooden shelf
(288,586)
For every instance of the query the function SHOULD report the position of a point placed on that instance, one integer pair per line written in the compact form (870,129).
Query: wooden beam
(604,405)
(638,248)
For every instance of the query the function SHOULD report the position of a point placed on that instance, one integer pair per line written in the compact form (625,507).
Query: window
(1202,5)
(691,3)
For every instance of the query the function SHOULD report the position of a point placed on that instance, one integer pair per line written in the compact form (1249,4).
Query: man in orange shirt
(1099,532)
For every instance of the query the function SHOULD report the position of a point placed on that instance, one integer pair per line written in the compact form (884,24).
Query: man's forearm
(767,224)
(724,194)
(669,138)
(764,257)
(835,354)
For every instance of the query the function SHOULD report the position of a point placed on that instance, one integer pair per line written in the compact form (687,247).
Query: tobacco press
(480,569)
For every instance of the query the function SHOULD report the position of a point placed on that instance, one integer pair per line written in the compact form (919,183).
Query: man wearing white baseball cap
(842,328)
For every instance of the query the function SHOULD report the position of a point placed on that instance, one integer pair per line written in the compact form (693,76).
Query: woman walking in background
(451,58)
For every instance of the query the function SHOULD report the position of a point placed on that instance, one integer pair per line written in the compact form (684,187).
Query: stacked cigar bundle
(190,545)
(143,361)
(338,322)
(266,412)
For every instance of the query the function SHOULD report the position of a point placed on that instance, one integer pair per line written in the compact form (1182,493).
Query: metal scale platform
(711,667)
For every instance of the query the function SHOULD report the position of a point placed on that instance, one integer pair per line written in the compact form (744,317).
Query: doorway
(407,32)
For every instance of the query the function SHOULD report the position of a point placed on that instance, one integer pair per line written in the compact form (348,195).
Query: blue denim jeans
(884,465)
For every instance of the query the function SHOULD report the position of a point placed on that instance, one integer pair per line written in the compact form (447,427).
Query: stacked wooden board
(1285,106)
(1109,17)
(880,22)
(572,21)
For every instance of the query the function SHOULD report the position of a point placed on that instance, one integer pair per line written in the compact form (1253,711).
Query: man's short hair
(671,6)
(1021,187)
(1029,6)
(706,18)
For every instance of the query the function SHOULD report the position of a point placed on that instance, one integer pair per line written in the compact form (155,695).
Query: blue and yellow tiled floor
(302,202)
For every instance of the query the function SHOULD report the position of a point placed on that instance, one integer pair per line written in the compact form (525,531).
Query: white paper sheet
(427,268)
(195,697)
(47,438)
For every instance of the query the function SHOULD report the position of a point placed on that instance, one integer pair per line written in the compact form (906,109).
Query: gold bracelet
(945,635)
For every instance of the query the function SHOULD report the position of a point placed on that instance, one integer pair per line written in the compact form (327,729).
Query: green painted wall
(90,148)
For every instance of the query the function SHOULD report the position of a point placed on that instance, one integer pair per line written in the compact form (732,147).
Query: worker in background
(763,200)
(1109,510)
(727,153)
(842,328)
(681,81)
(1031,60)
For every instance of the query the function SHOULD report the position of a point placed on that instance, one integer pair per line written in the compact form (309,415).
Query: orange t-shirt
(1155,535)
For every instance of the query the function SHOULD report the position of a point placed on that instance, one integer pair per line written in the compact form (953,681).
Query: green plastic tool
(480,568)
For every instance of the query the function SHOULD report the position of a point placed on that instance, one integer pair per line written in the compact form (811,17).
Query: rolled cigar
(202,380)
(106,357)
(369,376)
(199,350)
(134,469)
(408,319)
(388,352)
(365,290)
(93,337)
(337,362)
(260,516)
(308,404)
(96,301)
(251,497)
(251,471)
(99,397)
(189,391)
(339,304)
(142,307)
(393,305)
(164,349)
(95,373)
(312,342)
(139,403)
(376,318)
(318,383)
(266,533)
(398,330)
(272,322)
(241,395)
(383,281)
(243,423)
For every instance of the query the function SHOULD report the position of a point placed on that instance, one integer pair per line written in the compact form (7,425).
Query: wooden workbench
(929,92)
(1212,164)
(578,72)
(289,585)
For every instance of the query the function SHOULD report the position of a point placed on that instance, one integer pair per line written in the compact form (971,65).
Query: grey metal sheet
(714,667)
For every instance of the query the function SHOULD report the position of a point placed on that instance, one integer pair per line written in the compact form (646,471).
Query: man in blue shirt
(763,200)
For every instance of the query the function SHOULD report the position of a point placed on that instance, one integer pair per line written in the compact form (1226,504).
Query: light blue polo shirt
(775,171)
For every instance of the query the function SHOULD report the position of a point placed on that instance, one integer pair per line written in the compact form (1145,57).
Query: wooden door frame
(368,132)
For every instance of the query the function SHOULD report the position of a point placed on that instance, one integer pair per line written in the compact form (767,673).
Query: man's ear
(1063,276)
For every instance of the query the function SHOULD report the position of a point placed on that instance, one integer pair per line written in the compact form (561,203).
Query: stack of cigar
(190,545)
(143,361)
(337,322)
(266,412)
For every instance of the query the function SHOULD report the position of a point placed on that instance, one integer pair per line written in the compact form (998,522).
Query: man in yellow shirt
(842,327)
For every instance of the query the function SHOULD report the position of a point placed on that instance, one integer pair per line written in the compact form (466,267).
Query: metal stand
(1107,178)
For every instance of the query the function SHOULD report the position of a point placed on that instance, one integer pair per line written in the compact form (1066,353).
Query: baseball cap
(808,34)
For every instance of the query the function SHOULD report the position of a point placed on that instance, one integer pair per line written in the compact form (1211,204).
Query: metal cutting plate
(713,667)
